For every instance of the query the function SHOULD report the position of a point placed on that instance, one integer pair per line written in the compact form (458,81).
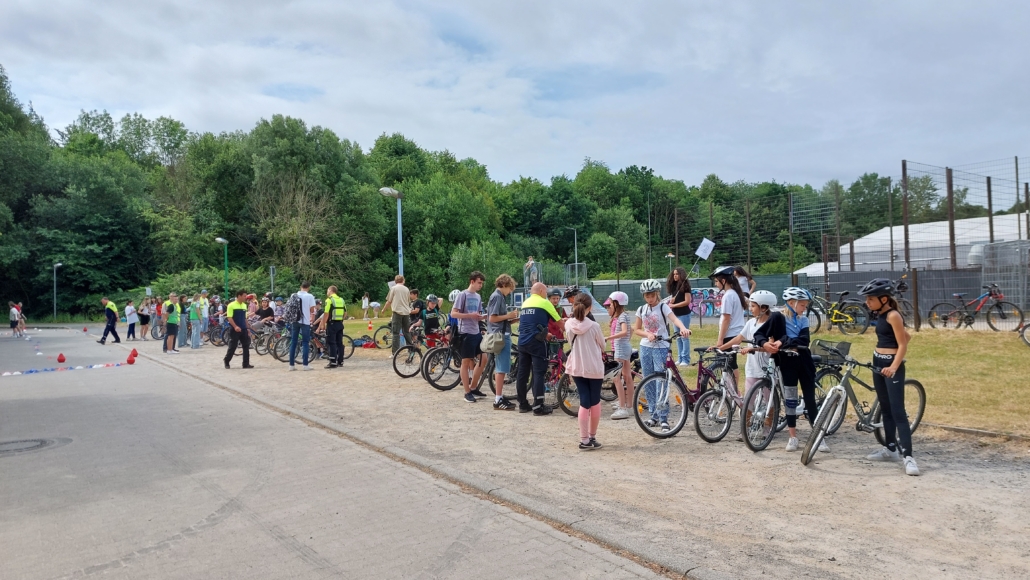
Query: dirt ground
(727,508)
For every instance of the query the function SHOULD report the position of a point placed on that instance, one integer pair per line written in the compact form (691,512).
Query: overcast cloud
(793,91)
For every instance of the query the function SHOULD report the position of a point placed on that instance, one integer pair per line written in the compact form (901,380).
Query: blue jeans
(182,338)
(302,331)
(203,324)
(195,334)
(683,344)
(502,361)
(652,360)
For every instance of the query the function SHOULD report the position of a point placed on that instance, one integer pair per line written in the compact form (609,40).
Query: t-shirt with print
(617,327)
(497,306)
(731,305)
(656,320)
(468,302)
(754,368)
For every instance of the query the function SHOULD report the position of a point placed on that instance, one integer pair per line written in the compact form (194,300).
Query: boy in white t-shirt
(757,360)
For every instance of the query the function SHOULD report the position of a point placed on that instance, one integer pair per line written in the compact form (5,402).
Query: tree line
(131,202)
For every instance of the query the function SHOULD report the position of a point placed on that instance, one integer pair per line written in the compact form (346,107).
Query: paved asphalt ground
(152,474)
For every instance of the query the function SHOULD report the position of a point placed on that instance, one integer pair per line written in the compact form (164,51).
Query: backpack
(291,313)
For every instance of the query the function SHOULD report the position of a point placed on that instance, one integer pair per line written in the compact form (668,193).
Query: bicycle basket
(831,358)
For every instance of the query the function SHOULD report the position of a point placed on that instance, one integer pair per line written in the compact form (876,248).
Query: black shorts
(144,319)
(171,329)
(14,324)
(470,345)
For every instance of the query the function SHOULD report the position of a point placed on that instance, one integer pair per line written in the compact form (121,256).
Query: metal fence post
(851,252)
(951,219)
(1026,202)
(904,209)
(990,210)
(915,299)
(826,268)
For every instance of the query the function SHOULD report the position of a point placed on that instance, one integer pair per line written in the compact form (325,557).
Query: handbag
(493,343)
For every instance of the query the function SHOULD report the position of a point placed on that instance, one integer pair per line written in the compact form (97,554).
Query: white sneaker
(620,413)
(307,368)
(910,466)
(293,368)
(615,406)
(172,352)
(823,447)
(682,364)
(792,444)
(884,454)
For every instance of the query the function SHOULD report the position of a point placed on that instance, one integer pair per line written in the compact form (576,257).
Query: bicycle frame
(983,298)
(865,422)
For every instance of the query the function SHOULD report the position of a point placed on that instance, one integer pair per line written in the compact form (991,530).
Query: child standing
(622,350)
(652,325)
(760,305)
(586,368)
(131,319)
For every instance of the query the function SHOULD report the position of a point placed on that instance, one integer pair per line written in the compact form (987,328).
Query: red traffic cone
(60,358)
(84,329)
(370,325)
(134,354)
(131,360)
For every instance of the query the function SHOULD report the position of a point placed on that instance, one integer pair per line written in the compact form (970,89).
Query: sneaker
(586,446)
(293,368)
(792,444)
(307,368)
(665,426)
(620,413)
(651,423)
(470,398)
(683,364)
(98,342)
(884,454)
(910,466)
(615,406)
(593,443)
(331,366)
(525,409)
(823,447)
(478,393)
(175,350)
(503,405)
(542,410)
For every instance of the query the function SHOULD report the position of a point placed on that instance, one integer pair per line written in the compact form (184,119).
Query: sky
(797,92)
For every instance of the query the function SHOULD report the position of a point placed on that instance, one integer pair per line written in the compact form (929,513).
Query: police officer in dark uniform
(332,321)
(536,311)
(236,314)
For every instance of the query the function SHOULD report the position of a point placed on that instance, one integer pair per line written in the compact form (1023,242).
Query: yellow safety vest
(338,309)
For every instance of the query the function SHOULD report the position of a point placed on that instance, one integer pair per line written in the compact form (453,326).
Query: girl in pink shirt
(586,368)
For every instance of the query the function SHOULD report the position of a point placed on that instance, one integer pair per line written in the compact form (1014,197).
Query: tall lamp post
(391,192)
(225,253)
(56,266)
(575,242)
(670,256)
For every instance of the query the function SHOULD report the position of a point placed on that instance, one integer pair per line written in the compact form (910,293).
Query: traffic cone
(84,329)
(131,360)
(370,325)
(134,354)
(60,358)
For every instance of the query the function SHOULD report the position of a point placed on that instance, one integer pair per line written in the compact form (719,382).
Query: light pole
(56,266)
(576,250)
(225,253)
(670,256)
(391,192)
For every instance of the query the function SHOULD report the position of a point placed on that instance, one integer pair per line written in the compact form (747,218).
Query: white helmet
(453,295)
(795,293)
(764,298)
(650,285)
(619,298)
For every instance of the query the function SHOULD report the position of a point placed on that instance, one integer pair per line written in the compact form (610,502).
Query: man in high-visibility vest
(236,314)
(111,312)
(332,321)
(172,315)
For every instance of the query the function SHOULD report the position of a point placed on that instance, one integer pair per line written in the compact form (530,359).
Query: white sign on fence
(705,249)
(148,291)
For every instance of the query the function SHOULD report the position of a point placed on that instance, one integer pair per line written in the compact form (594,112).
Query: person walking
(111,312)
(536,311)
(171,319)
(236,314)
(586,367)
(301,328)
(131,318)
(15,320)
(144,318)
(196,316)
(678,286)
(399,301)
(364,306)
(466,310)
(332,321)
(499,321)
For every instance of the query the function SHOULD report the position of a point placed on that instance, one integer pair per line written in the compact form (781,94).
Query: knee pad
(790,399)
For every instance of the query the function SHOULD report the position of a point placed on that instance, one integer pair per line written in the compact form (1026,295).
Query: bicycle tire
(944,315)
(815,320)
(835,378)
(348,348)
(157,332)
(908,312)
(383,336)
(822,421)
(278,351)
(761,408)
(440,371)
(914,391)
(405,359)
(859,322)
(1004,317)
(665,393)
(1023,334)
(568,396)
(713,416)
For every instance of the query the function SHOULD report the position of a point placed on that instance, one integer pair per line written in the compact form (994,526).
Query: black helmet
(877,287)
(726,271)
(554,292)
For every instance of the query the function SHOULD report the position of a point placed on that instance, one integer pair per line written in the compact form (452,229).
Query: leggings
(798,370)
(891,394)
(132,331)
(589,407)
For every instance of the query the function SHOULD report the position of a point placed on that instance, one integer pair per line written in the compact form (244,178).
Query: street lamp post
(56,266)
(575,242)
(670,256)
(391,192)
(225,253)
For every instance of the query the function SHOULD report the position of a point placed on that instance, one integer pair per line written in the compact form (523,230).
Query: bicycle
(761,411)
(868,420)
(715,408)
(664,395)
(568,392)
(407,361)
(850,317)
(1000,315)
(1023,334)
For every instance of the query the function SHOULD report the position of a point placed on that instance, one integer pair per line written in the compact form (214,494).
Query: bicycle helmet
(726,271)
(764,298)
(432,298)
(554,292)
(619,297)
(278,298)
(795,293)
(877,287)
(571,292)
(650,285)
(453,295)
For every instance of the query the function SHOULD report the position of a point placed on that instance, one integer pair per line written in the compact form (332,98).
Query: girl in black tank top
(889,359)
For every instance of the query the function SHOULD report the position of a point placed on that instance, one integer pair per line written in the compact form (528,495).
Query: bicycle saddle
(843,294)
(817,359)
(702,349)
(959,294)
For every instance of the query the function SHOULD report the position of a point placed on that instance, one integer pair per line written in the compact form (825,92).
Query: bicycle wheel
(407,361)
(944,315)
(348,349)
(815,320)
(440,370)
(822,421)
(1004,317)
(157,332)
(383,337)
(857,319)
(1023,334)
(915,404)
(657,399)
(759,415)
(551,383)
(908,312)
(825,380)
(568,396)
(713,415)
